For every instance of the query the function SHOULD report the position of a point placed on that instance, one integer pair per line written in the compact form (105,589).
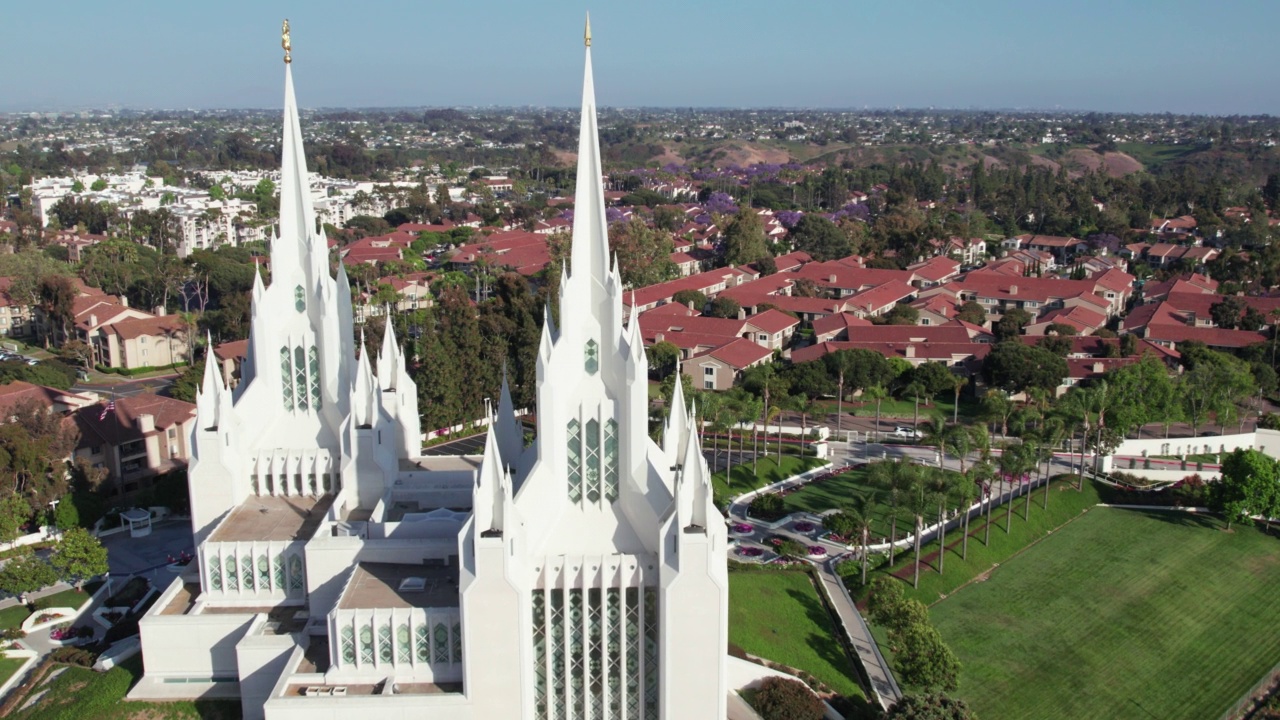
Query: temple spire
(293,244)
(590,252)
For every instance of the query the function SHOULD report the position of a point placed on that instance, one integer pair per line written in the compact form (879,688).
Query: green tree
(724,307)
(26,573)
(902,314)
(662,357)
(744,238)
(691,298)
(924,660)
(79,556)
(1011,324)
(1250,485)
(14,513)
(972,312)
(643,254)
(98,185)
(1015,367)
(820,238)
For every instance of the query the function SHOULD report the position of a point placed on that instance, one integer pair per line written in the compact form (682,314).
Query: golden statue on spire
(284,42)
(587,35)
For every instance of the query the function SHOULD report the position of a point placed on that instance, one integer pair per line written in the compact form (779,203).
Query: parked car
(907,433)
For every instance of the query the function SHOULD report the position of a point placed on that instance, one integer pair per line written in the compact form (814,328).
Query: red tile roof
(741,353)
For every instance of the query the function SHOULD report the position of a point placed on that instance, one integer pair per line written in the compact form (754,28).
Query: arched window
(286,378)
(300,377)
(385,651)
(233,583)
(264,573)
(215,572)
(611,460)
(313,364)
(300,299)
(404,654)
(295,572)
(575,461)
(348,645)
(593,460)
(592,357)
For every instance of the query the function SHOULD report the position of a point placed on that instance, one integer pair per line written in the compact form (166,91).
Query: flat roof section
(441,463)
(273,518)
(377,586)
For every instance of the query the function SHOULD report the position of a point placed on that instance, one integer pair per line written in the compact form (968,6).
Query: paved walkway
(877,668)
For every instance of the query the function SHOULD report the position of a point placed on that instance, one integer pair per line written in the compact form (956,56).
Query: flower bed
(817,551)
(743,528)
(750,551)
(804,526)
(48,617)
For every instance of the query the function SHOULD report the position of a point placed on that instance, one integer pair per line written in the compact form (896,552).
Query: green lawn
(778,616)
(9,666)
(67,598)
(768,471)
(12,617)
(849,489)
(1151,155)
(905,409)
(82,693)
(1122,614)
(1065,504)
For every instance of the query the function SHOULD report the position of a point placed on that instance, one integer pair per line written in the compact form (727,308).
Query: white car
(907,433)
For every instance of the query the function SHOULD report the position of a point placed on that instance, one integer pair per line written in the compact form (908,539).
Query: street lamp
(53,515)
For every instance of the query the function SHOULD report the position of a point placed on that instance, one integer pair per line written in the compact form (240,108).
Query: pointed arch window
(286,378)
(300,299)
(300,377)
(593,460)
(404,653)
(592,361)
(348,636)
(611,460)
(575,461)
(215,572)
(313,367)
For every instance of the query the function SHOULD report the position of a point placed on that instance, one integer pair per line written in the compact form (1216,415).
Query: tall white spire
(297,216)
(590,240)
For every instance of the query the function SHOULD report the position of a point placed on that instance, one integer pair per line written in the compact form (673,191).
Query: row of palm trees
(932,493)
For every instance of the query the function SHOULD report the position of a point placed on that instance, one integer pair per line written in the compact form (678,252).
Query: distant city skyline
(1180,56)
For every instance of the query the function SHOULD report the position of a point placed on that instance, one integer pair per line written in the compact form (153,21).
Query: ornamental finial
(587,35)
(284,42)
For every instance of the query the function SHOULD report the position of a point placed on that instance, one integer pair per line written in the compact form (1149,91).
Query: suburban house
(231,357)
(718,369)
(16,316)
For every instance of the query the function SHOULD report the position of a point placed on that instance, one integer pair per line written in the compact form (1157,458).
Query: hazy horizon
(1185,57)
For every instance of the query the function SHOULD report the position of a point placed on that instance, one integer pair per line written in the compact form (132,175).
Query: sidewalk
(877,668)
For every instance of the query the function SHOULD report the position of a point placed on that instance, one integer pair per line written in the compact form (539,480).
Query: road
(126,387)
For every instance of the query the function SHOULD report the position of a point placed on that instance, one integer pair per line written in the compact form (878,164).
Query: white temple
(339,572)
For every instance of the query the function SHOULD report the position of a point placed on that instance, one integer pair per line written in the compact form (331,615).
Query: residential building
(135,438)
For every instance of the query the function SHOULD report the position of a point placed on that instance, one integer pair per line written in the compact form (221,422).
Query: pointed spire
(586,35)
(297,217)
(590,240)
(389,358)
(211,388)
(510,434)
(675,436)
(258,287)
(488,503)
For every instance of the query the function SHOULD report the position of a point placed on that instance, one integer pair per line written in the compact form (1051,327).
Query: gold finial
(284,42)
(587,35)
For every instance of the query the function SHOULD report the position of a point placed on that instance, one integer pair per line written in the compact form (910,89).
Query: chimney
(658,337)
(831,279)
(690,304)
(159,311)
(124,301)
(146,423)
(910,351)
(93,320)
(1013,289)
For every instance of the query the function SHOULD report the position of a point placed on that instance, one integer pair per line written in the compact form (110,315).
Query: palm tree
(862,525)
(1051,432)
(985,472)
(919,504)
(877,394)
(938,486)
(1033,452)
(960,382)
(1077,405)
(773,411)
(916,391)
(934,433)
(966,489)
(959,441)
(1013,464)
(896,478)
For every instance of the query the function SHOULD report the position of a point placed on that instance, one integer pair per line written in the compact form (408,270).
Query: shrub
(935,706)
(73,656)
(786,699)
(13,633)
(767,507)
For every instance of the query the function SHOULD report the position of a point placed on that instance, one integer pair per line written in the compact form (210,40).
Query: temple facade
(339,571)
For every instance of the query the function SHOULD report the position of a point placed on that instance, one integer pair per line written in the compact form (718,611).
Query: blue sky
(1111,55)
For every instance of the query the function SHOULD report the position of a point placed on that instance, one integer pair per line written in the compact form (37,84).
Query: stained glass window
(593,460)
(539,656)
(215,572)
(611,460)
(286,378)
(633,652)
(348,645)
(246,567)
(300,377)
(233,583)
(556,624)
(423,639)
(277,569)
(575,461)
(592,357)
(441,643)
(264,573)
(299,299)
(650,654)
(313,364)
(385,651)
(457,642)
(404,654)
(613,649)
(366,645)
(295,572)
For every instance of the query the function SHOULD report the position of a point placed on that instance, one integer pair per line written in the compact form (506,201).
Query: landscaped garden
(82,693)
(778,615)
(769,470)
(1121,613)
(9,666)
(850,489)
(12,617)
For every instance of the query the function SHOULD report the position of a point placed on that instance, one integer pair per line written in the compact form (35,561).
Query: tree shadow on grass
(826,646)
(1206,521)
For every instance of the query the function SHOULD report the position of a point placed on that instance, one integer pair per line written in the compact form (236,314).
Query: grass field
(1065,504)
(778,616)
(9,666)
(1122,614)
(1152,156)
(768,471)
(80,693)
